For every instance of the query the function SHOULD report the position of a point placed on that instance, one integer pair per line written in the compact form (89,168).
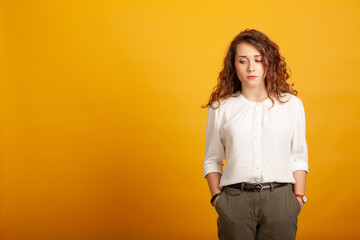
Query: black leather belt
(256,187)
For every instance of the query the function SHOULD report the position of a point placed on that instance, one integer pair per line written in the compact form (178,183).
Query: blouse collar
(267,101)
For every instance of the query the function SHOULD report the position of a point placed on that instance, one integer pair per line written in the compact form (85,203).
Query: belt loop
(242,187)
(271,187)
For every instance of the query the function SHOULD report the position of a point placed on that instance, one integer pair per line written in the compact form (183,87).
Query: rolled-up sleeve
(299,150)
(214,149)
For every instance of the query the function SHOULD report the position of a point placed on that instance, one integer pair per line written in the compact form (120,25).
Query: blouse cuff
(212,168)
(300,165)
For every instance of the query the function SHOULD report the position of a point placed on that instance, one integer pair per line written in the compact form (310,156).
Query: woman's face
(249,66)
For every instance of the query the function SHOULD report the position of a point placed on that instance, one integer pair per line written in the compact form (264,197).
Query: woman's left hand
(300,201)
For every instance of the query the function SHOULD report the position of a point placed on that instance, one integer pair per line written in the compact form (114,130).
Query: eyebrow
(246,56)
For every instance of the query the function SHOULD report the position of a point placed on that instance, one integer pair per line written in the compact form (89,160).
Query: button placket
(258,114)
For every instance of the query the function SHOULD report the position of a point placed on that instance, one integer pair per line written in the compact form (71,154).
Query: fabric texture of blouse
(258,143)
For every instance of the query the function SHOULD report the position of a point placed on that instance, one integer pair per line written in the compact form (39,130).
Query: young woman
(256,123)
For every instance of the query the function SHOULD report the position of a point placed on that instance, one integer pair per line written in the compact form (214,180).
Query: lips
(251,77)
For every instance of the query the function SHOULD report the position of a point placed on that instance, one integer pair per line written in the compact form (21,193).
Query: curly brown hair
(277,74)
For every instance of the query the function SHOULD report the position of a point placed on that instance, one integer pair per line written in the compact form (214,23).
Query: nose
(251,66)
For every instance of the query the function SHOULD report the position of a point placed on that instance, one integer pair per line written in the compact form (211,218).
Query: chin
(254,85)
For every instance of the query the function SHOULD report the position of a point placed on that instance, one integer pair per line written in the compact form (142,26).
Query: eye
(242,61)
(258,61)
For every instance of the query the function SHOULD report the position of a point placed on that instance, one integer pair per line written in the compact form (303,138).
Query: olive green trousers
(266,215)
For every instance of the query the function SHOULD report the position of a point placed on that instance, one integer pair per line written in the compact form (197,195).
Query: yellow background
(102,134)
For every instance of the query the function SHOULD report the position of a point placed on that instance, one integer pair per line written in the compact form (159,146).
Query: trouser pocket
(296,203)
(218,202)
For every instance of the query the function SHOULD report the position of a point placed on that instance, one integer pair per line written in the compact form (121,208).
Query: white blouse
(259,144)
